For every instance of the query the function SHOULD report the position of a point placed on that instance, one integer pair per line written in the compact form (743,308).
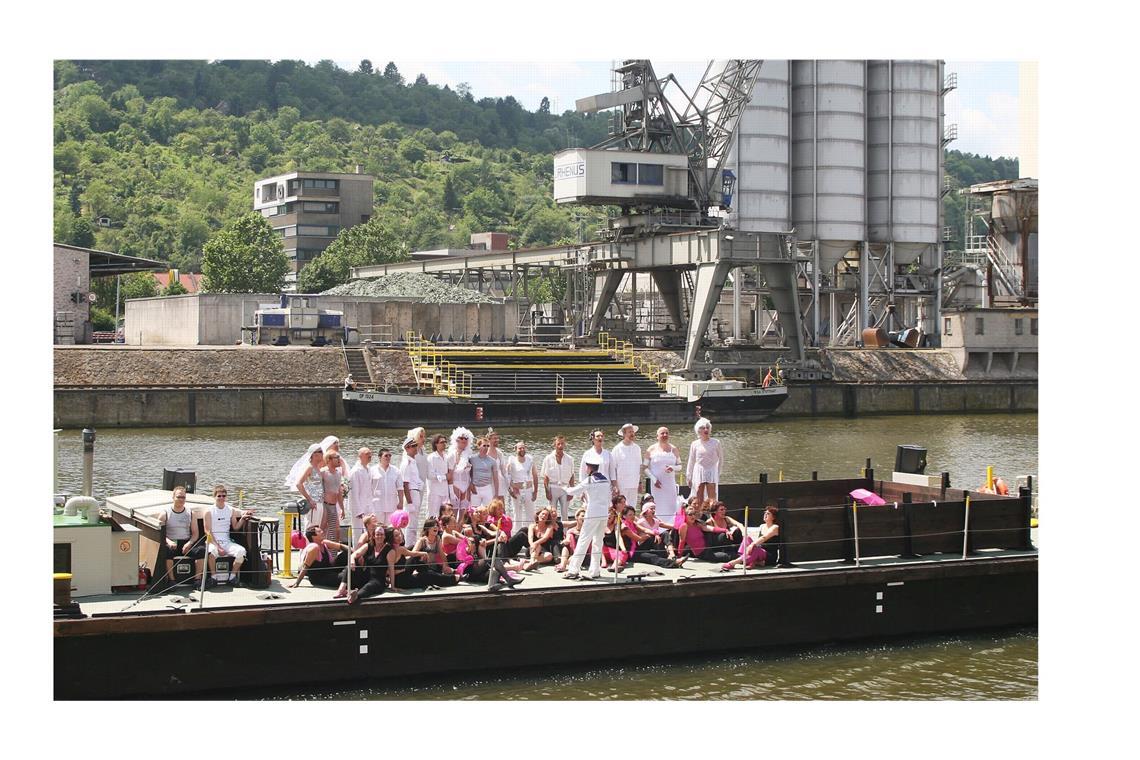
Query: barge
(930,560)
(551,386)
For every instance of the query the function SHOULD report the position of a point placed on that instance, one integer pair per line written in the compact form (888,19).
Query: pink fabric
(757,554)
(399,519)
(466,559)
(870,498)
(695,538)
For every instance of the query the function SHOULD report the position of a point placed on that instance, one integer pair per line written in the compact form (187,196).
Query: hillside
(166,152)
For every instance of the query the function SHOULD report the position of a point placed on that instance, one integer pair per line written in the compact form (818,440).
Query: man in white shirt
(522,480)
(419,435)
(606,468)
(360,490)
(413,485)
(558,475)
(387,487)
(628,464)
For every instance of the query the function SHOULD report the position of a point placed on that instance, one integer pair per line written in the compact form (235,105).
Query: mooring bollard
(287,546)
(61,589)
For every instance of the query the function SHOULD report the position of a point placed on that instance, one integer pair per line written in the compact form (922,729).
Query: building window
(1019,327)
(325,184)
(979,326)
(307,254)
(269,192)
(287,232)
(321,207)
(650,174)
(315,230)
(1033,325)
(623,174)
(946,326)
(294,186)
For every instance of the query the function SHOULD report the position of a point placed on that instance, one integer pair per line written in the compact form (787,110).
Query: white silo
(904,155)
(761,155)
(829,155)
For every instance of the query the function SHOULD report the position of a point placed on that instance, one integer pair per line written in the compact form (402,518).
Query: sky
(984,105)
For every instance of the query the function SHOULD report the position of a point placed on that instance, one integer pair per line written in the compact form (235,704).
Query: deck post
(966,526)
(908,541)
(785,559)
(1026,495)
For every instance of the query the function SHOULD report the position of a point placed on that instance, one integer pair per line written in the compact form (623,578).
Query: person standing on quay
(558,475)
(360,490)
(598,490)
(706,460)
(627,464)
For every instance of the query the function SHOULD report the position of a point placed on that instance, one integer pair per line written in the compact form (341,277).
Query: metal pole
(966,527)
(745,549)
(855,519)
(494,553)
(88,458)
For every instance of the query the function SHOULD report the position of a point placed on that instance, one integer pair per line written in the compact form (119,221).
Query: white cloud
(992,131)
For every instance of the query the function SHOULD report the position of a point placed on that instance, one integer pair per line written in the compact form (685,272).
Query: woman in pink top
(691,535)
(706,459)
(753,553)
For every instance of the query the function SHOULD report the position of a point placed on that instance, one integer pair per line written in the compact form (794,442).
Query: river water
(992,665)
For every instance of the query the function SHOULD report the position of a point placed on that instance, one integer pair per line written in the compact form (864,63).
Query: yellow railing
(446,378)
(622,351)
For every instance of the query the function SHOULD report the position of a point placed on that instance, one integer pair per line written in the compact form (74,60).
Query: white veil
(299,467)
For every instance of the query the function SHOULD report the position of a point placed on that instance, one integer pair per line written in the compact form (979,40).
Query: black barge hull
(248,648)
(379,409)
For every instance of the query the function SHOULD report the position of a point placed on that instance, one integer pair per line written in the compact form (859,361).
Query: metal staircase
(847,331)
(356,365)
(1004,270)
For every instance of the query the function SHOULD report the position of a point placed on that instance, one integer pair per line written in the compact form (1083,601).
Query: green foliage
(967,169)
(102,320)
(373,242)
(175,288)
(246,256)
(134,285)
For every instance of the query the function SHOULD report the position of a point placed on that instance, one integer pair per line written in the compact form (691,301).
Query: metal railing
(377,333)
(622,351)
(443,377)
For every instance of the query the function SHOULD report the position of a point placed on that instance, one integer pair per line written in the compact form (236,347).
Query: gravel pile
(422,287)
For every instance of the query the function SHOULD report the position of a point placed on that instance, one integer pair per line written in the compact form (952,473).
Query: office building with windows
(309,209)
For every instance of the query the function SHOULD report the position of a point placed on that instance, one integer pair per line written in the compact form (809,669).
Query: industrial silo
(903,155)
(829,155)
(761,154)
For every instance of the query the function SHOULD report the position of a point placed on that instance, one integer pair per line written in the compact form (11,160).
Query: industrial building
(74,268)
(309,209)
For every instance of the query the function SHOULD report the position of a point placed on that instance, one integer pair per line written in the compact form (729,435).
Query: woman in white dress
(664,462)
(437,476)
(459,465)
(706,460)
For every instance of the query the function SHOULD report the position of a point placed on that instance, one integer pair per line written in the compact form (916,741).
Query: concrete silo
(761,155)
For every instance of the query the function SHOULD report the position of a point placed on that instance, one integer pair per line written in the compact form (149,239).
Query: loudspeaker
(178,476)
(183,570)
(910,459)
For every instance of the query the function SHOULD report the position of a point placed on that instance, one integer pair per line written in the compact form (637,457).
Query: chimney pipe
(88,459)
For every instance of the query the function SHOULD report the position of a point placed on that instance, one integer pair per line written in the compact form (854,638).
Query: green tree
(175,288)
(450,197)
(392,74)
(245,256)
(365,67)
(373,242)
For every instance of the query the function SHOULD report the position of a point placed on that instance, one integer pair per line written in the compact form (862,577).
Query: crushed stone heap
(422,287)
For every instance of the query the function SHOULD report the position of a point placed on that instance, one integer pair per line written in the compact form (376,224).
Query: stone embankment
(218,366)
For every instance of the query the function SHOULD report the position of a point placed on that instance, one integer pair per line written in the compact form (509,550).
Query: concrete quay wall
(177,407)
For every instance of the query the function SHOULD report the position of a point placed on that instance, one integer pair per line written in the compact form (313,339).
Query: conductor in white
(360,490)
(597,488)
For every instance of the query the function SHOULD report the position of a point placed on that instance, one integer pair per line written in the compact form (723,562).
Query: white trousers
(593,531)
(630,494)
(559,500)
(522,507)
(436,500)
(413,510)
(483,495)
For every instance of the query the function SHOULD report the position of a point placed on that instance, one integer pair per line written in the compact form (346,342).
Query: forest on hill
(152,158)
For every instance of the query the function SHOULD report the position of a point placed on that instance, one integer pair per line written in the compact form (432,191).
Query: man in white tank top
(219,520)
(182,539)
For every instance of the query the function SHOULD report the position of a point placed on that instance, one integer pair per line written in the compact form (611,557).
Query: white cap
(628,425)
(592,457)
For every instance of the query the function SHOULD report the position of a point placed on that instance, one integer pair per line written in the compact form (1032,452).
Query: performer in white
(706,460)
(459,465)
(500,485)
(598,491)
(438,477)
(387,487)
(360,490)
(413,485)
(419,435)
(522,476)
(606,468)
(664,463)
(628,465)
(558,475)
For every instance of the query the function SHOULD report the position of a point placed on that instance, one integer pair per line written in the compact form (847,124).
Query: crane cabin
(622,178)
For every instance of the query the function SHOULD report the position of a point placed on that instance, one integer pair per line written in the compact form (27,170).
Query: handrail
(559,386)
